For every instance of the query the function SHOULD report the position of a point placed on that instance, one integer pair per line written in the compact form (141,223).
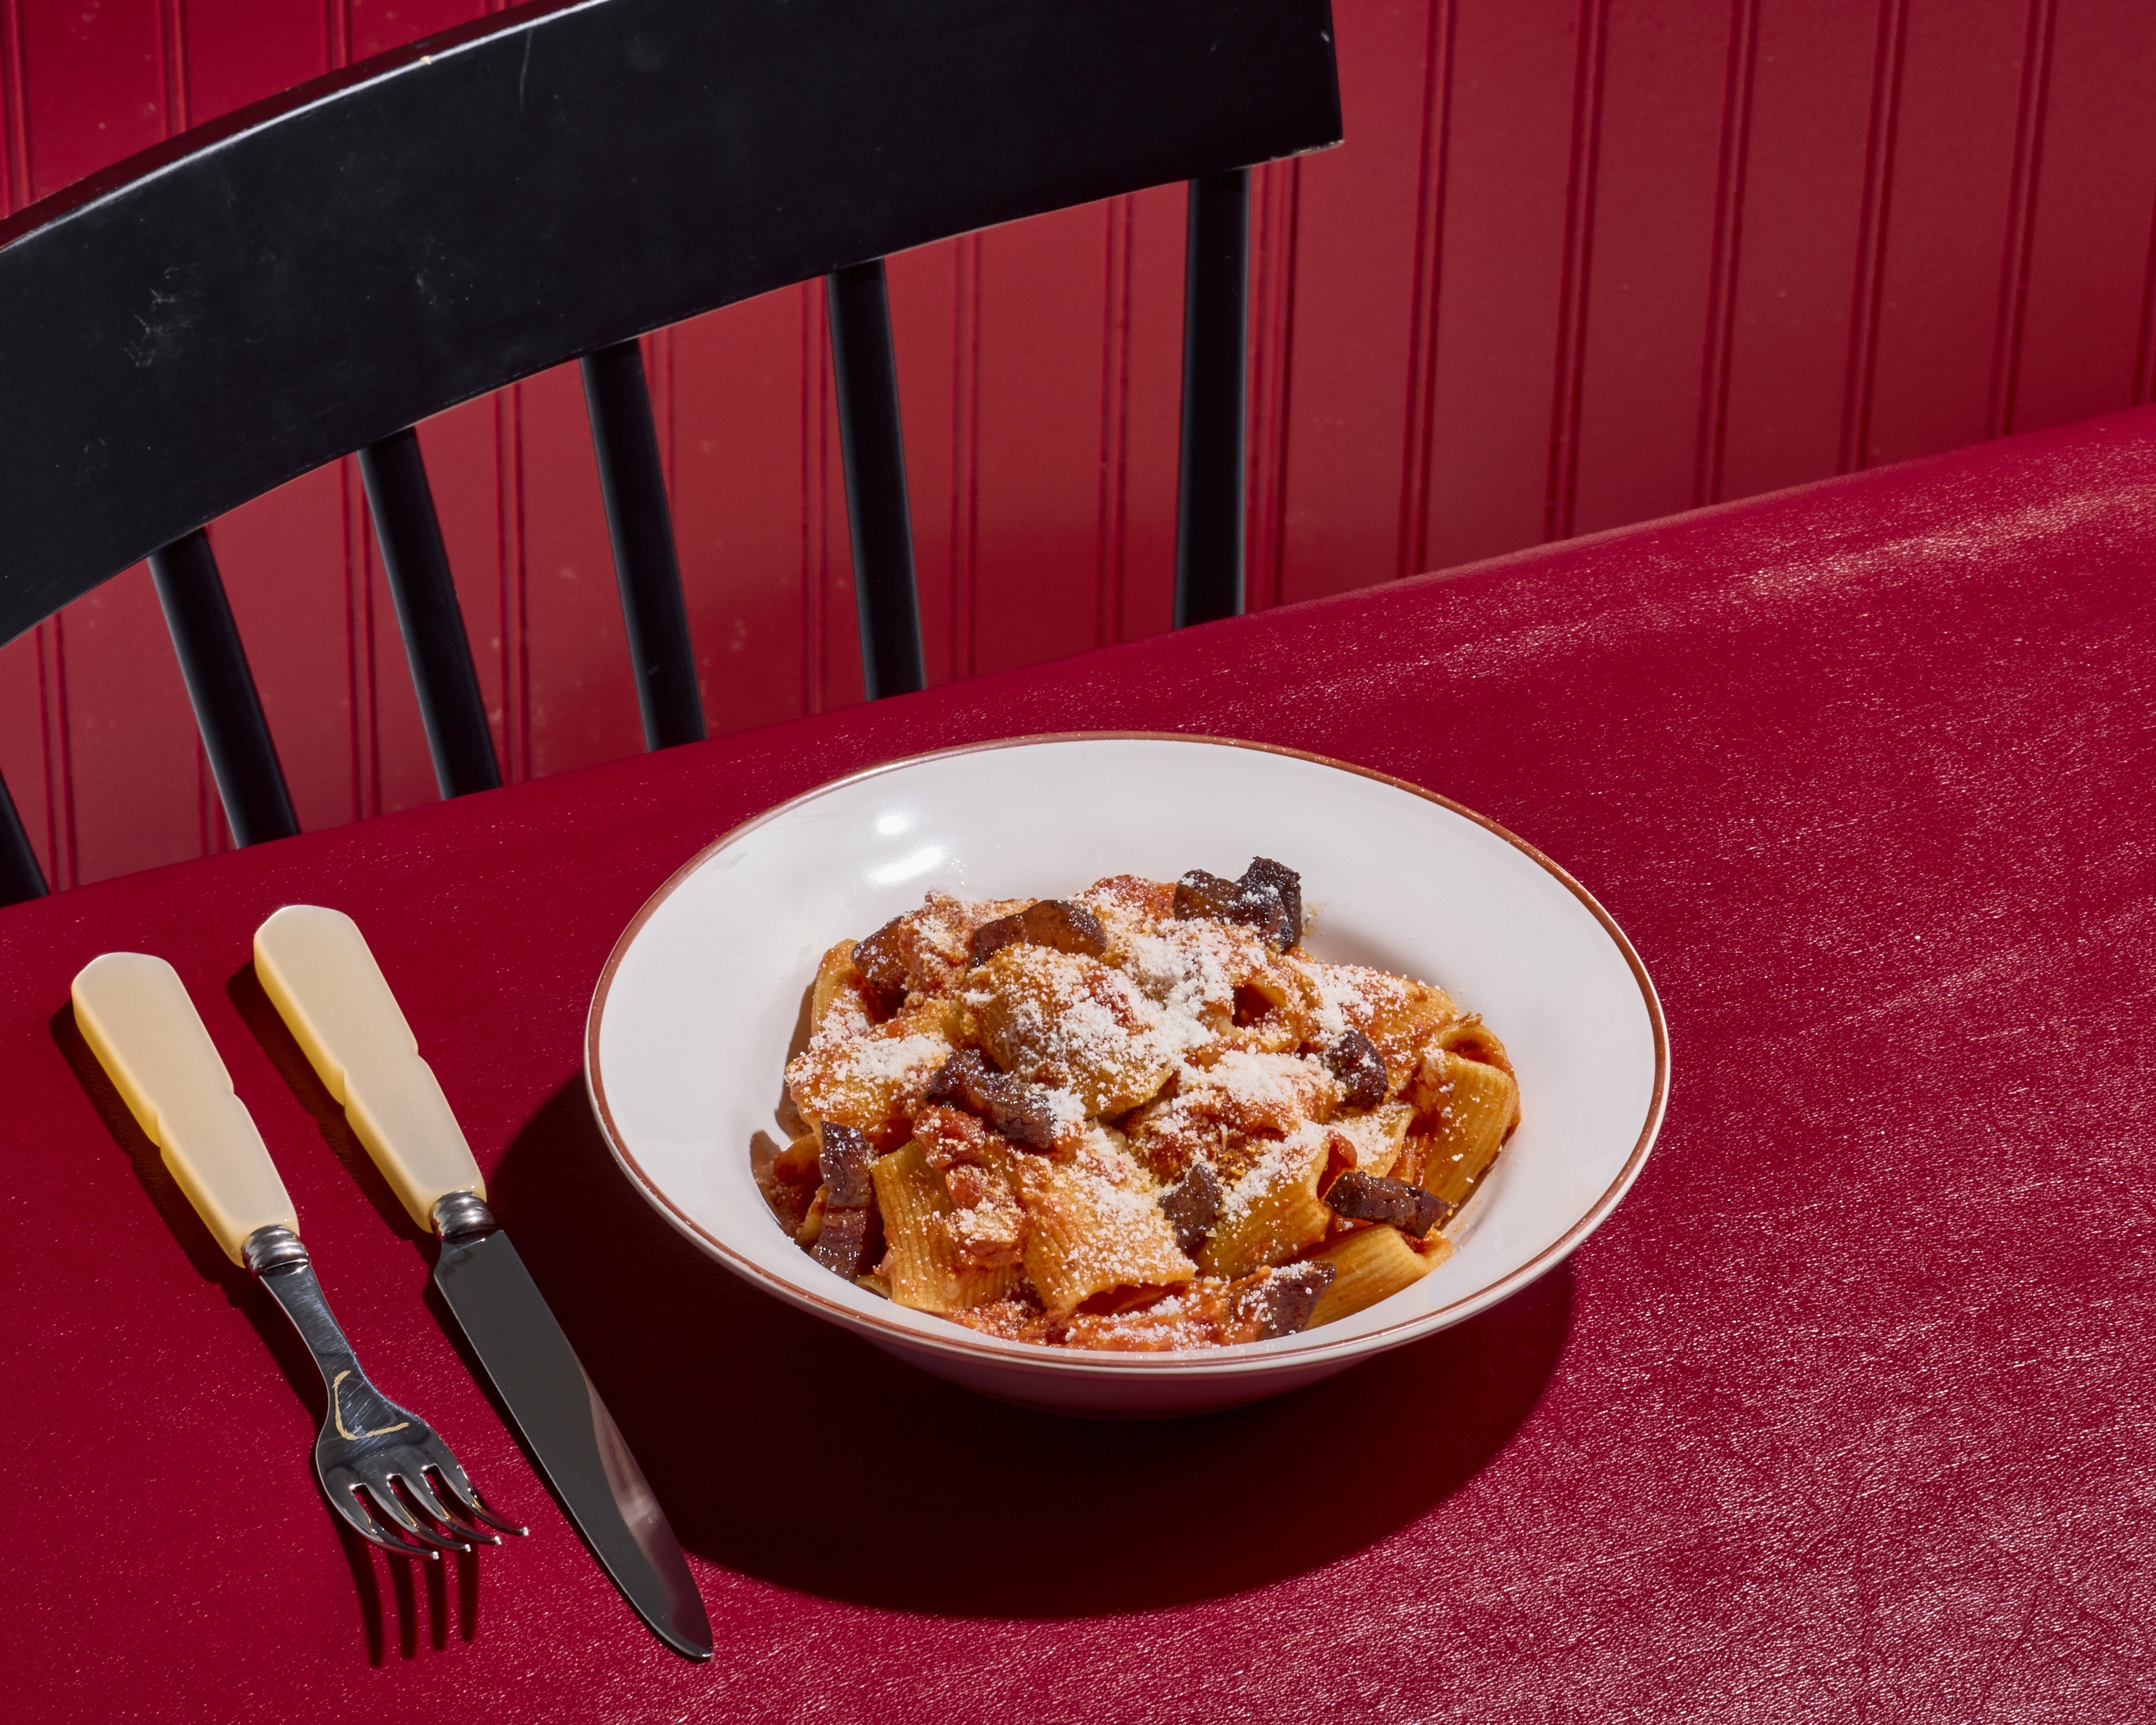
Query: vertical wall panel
(33,747)
(14,117)
(927,313)
(463,449)
(378,25)
(239,51)
(1275,208)
(1353,268)
(1432,174)
(1509,165)
(1087,380)
(21,743)
(1579,262)
(582,699)
(132,741)
(283,557)
(738,517)
(2095,197)
(93,85)
(831,669)
(1646,309)
(1794,245)
(1043,310)
(23,729)
(399,774)
(1948,207)
(759,512)
(1147,401)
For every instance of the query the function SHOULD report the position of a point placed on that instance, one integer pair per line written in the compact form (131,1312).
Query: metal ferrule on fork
(268,1248)
(281,1264)
(370,1447)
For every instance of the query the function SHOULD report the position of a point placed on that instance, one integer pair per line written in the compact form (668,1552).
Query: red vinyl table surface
(1849,1411)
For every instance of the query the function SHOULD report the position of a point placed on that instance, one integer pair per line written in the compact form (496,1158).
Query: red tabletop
(1849,1411)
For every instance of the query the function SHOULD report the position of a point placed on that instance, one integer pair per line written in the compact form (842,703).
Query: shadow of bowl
(784,1448)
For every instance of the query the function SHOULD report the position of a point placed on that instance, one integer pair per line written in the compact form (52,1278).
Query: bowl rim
(1279,1354)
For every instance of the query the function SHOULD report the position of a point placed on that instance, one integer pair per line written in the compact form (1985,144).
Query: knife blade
(316,967)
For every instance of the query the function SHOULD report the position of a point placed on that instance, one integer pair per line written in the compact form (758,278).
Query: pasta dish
(1143,1118)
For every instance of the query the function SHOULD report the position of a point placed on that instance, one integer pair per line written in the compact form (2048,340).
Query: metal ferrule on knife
(461,1215)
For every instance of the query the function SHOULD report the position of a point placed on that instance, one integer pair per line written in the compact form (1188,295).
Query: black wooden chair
(314,274)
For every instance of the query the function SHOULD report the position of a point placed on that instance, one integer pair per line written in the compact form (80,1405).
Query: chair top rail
(265,294)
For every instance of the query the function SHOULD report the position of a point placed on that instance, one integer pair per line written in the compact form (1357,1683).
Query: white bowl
(691,1020)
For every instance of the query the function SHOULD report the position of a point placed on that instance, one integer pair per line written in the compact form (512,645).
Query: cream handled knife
(315,967)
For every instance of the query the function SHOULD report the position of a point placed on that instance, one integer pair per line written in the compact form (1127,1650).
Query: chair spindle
(1208,517)
(243,759)
(20,877)
(640,526)
(873,444)
(427,616)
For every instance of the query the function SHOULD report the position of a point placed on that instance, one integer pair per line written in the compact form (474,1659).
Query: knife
(315,967)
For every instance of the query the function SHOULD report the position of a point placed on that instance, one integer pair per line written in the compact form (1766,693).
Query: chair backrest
(313,276)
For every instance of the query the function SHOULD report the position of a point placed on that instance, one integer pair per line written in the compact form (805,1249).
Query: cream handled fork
(135,1014)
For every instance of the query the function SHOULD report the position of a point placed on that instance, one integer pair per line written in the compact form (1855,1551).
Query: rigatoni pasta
(927,1265)
(1143,1118)
(1372,1264)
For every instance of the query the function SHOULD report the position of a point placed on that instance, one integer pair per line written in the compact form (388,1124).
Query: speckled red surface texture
(1849,1412)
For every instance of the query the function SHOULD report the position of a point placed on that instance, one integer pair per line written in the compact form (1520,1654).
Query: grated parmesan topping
(1282,1160)
(1068,1110)
(1280,1080)
(874,1058)
(1183,971)
(1195,1035)
(1342,1004)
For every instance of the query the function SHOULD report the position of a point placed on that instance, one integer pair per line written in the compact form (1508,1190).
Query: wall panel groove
(515,651)
(1862,364)
(1120,215)
(966,455)
(172,56)
(2021,214)
(2085,297)
(1276,193)
(62,862)
(1576,267)
(33,754)
(2144,350)
(1726,247)
(15,109)
(1412,534)
(365,793)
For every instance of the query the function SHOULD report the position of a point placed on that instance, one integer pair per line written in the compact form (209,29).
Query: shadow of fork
(286,1349)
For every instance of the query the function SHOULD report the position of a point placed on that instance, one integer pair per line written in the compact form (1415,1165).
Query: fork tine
(342,1502)
(382,1500)
(467,1498)
(416,1486)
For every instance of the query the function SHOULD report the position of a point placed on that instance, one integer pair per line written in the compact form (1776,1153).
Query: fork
(369,1446)
(374,1457)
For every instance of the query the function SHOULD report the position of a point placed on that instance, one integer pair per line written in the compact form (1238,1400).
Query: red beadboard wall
(1580,263)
